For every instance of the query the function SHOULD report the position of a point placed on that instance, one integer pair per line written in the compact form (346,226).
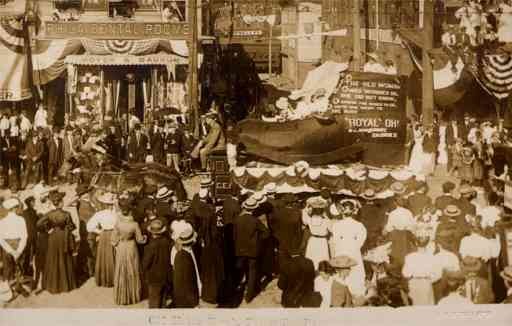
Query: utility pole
(356,34)
(193,65)
(427,103)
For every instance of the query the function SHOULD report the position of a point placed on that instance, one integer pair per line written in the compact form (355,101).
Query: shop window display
(88,96)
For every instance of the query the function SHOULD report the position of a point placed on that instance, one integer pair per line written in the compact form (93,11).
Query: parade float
(352,138)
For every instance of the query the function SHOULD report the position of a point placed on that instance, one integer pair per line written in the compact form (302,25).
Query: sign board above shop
(124,60)
(112,30)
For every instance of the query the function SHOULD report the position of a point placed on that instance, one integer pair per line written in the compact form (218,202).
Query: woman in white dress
(442,158)
(505,22)
(422,271)
(314,217)
(349,236)
(417,160)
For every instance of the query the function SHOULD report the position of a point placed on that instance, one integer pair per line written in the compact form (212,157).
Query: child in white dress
(323,283)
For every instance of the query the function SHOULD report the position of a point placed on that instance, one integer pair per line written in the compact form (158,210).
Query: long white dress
(417,160)
(324,287)
(443,153)
(505,23)
(349,236)
(317,248)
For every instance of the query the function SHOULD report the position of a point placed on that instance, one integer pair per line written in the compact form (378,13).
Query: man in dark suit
(10,158)
(185,276)
(447,197)
(157,143)
(55,155)
(137,145)
(155,264)
(249,232)
(419,199)
(30,216)
(32,157)
(296,280)
(286,225)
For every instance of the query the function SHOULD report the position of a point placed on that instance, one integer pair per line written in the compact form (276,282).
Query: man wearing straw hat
(186,280)
(476,288)
(156,263)
(249,232)
(373,218)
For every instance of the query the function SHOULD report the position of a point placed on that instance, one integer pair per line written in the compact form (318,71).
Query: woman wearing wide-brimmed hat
(102,224)
(314,218)
(59,271)
(127,280)
(422,271)
(349,236)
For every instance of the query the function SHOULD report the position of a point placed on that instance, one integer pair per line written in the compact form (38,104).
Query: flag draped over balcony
(47,60)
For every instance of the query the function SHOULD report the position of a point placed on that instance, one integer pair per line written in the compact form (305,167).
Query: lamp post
(193,65)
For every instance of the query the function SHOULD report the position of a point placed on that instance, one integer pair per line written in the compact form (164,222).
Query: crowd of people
(39,151)
(325,250)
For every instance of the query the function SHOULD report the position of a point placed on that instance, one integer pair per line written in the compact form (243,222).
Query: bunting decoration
(47,60)
(496,75)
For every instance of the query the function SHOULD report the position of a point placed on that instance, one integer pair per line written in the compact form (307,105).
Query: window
(174,11)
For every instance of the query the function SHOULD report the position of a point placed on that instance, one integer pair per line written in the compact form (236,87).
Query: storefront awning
(125,60)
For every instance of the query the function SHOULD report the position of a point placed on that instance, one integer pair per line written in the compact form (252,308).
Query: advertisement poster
(373,109)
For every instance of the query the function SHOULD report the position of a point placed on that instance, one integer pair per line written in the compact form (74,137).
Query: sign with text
(111,30)
(373,106)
